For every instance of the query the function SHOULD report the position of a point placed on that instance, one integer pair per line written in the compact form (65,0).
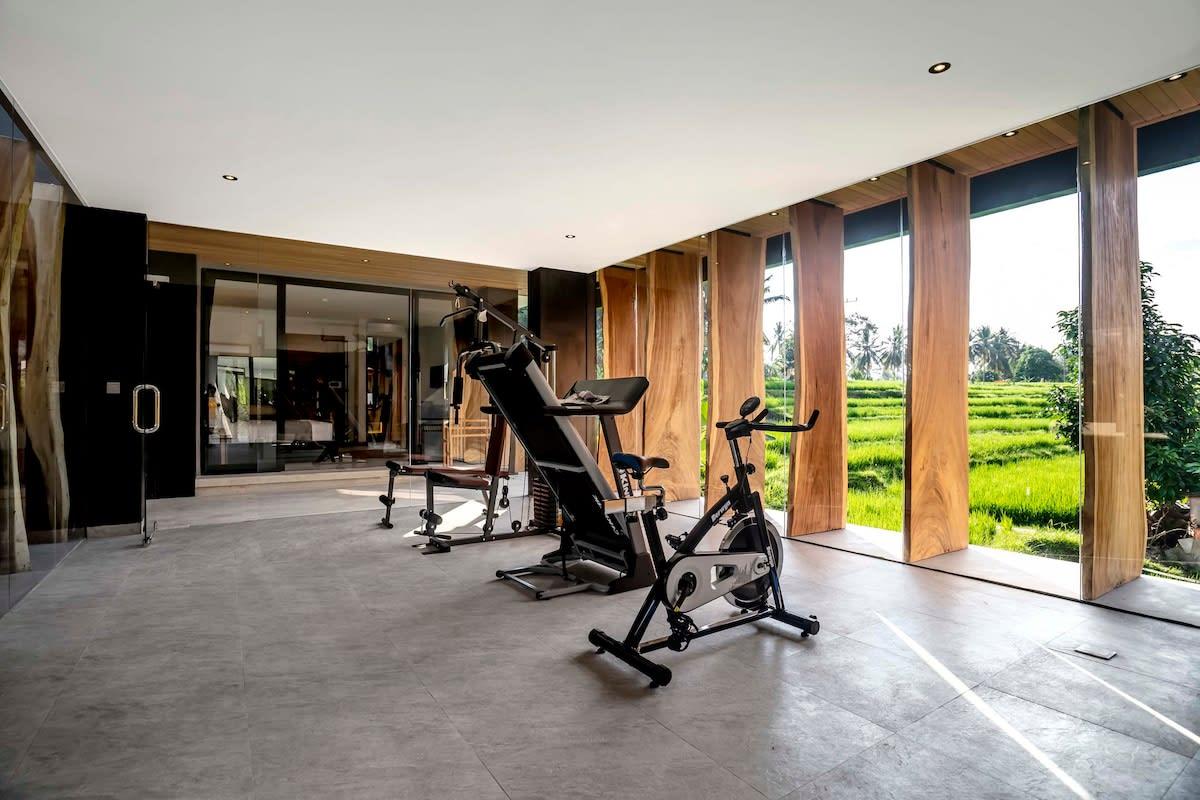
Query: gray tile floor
(320,656)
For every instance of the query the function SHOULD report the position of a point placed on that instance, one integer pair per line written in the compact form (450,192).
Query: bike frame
(743,500)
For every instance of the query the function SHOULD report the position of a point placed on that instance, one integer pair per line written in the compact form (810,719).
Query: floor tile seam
(1101,725)
(850,711)
(978,769)
(449,719)
(653,718)
(993,582)
(1179,777)
(1117,665)
(70,673)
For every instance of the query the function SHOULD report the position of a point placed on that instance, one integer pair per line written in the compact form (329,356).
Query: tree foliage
(1037,364)
(862,346)
(1171,388)
(993,353)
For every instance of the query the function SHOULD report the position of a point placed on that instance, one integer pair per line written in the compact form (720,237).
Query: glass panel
(779,368)
(239,416)
(343,392)
(34,493)
(1025,488)
(1169,245)
(876,281)
(433,369)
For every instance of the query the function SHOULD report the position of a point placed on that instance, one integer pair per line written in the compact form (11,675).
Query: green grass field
(1025,482)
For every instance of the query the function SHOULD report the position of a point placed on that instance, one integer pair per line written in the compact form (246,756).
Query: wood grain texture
(325,261)
(40,392)
(1114,504)
(817,485)
(672,428)
(935,442)
(623,300)
(16,190)
(736,271)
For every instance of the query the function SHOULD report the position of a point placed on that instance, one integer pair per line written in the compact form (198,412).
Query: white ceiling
(485,131)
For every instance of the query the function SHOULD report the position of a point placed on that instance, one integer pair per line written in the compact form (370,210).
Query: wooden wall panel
(736,271)
(623,298)
(935,444)
(1114,504)
(672,403)
(817,486)
(325,261)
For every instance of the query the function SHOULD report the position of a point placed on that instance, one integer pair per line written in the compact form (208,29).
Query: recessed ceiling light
(570,236)
(389,319)
(872,180)
(1177,76)
(1010,134)
(704,236)
(366,260)
(324,299)
(774,213)
(227,263)
(939,67)
(230,177)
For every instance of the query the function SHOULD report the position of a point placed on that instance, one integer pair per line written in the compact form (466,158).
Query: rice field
(1025,482)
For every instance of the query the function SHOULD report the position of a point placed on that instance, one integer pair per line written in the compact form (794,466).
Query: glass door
(146,396)
(34,492)
(433,357)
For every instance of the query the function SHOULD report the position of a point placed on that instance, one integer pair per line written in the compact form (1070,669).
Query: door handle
(3,406)
(137,393)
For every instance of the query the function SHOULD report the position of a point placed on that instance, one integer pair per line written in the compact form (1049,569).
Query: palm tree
(773,342)
(1007,350)
(982,349)
(862,347)
(993,351)
(895,347)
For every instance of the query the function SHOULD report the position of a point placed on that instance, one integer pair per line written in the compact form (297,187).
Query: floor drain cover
(1096,652)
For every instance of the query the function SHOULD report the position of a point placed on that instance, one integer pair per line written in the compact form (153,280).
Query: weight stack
(545,507)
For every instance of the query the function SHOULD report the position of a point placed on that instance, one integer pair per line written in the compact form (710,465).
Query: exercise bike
(744,571)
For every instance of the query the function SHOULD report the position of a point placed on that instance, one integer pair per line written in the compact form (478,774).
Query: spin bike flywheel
(740,539)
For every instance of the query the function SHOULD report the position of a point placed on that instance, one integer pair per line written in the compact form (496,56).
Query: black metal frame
(744,502)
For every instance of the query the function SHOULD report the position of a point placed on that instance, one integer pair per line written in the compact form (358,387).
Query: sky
(1025,264)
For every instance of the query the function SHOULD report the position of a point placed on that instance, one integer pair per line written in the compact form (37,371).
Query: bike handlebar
(772,427)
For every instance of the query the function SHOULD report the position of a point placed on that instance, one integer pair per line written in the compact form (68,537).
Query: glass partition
(1168,210)
(303,375)
(434,360)
(239,406)
(779,369)
(876,292)
(1025,478)
(37,525)
(344,359)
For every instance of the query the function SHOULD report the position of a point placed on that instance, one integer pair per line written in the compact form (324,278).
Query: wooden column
(672,403)
(817,484)
(736,271)
(623,299)
(1114,503)
(935,443)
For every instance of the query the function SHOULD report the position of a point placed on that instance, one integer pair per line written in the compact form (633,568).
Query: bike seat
(637,465)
